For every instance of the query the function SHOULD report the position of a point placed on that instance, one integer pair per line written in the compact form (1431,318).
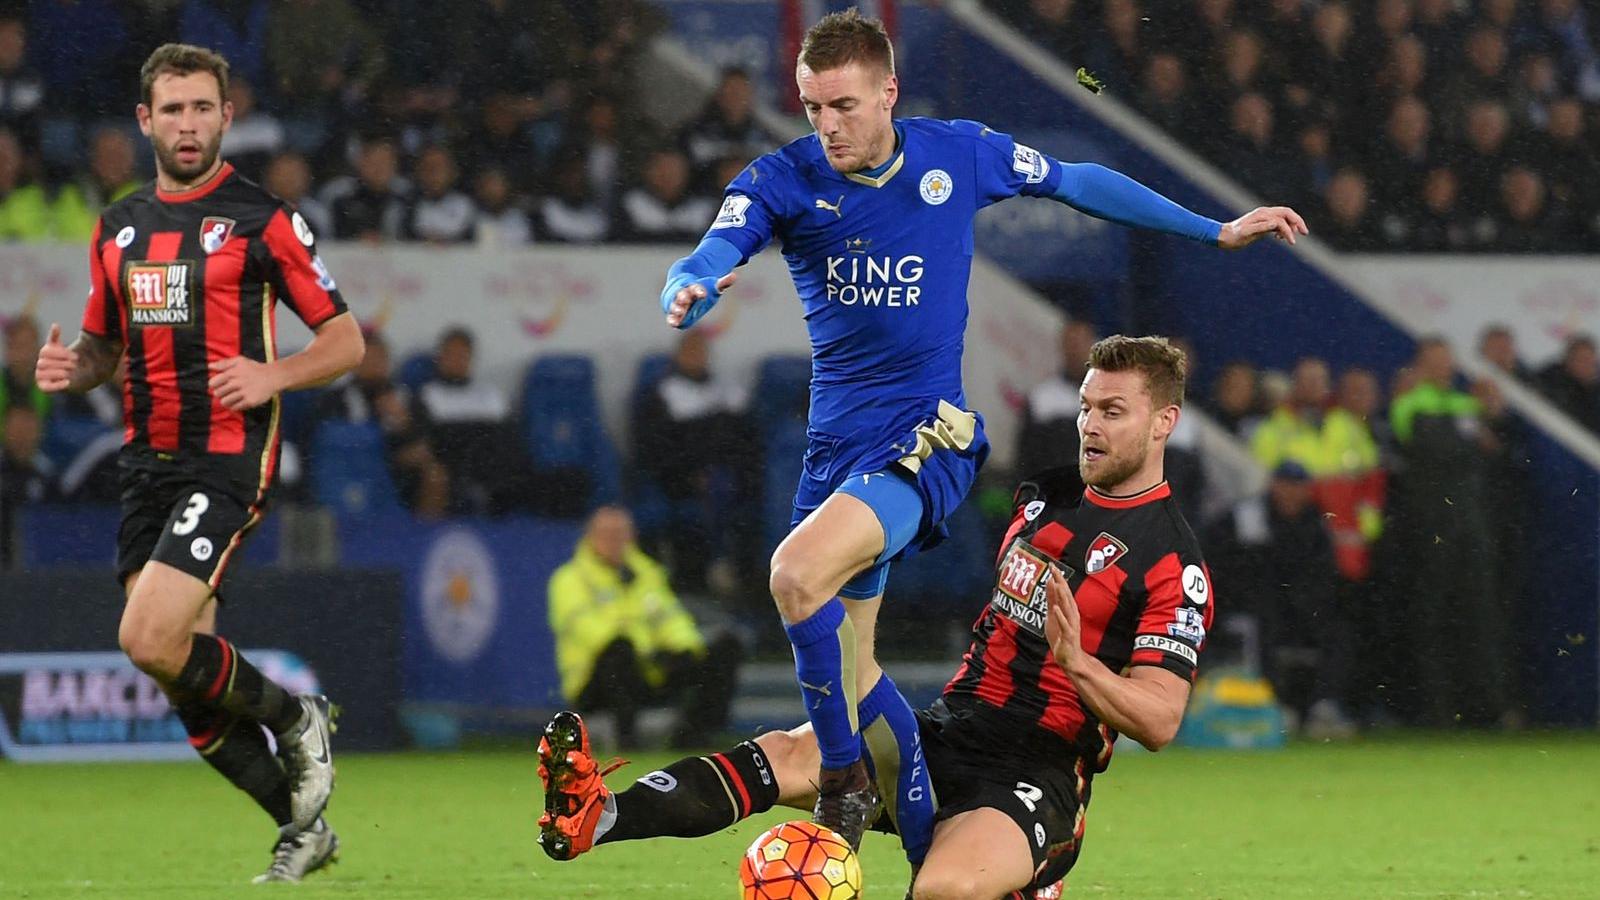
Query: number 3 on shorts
(198,504)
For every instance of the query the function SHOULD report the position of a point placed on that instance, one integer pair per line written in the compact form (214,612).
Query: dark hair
(456,333)
(845,37)
(182,59)
(1164,367)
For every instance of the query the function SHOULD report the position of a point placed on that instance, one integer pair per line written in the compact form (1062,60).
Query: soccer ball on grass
(800,861)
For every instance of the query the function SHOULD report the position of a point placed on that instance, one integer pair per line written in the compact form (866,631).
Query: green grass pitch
(1408,817)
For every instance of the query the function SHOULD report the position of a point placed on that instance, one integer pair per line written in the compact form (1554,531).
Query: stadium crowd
(1399,125)
(400,136)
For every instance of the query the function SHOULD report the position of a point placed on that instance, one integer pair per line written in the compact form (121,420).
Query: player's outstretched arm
(81,367)
(1107,194)
(695,283)
(336,347)
(1146,704)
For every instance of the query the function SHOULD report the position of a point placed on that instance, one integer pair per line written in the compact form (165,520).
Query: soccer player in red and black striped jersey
(185,277)
(1094,628)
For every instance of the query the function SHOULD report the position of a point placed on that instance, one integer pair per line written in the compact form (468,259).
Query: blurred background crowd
(1399,125)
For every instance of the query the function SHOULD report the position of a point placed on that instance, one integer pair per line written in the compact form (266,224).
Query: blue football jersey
(881,263)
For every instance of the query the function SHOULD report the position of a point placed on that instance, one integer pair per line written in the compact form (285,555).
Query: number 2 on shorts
(198,504)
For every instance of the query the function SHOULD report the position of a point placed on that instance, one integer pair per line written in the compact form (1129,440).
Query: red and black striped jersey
(1143,592)
(183,280)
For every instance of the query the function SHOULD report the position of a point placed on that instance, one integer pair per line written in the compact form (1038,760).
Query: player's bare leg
(161,633)
(979,853)
(841,538)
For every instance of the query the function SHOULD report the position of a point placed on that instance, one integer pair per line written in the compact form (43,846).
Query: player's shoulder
(129,207)
(967,130)
(1176,532)
(1060,487)
(779,168)
(246,201)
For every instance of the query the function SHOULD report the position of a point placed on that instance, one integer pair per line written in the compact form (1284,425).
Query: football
(800,861)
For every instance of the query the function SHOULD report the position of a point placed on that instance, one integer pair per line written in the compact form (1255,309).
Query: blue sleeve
(1111,195)
(752,207)
(1006,168)
(710,261)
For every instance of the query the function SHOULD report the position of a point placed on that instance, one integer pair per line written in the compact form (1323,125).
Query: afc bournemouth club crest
(1103,551)
(214,232)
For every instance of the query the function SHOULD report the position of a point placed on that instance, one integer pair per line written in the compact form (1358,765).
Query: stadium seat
(349,470)
(561,423)
(783,386)
(416,369)
(651,509)
(298,414)
(785,451)
(67,435)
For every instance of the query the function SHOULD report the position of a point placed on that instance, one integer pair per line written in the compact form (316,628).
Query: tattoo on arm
(97,360)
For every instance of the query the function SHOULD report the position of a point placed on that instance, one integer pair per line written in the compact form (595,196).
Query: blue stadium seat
(349,471)
(417,368)
(783,390)
(651,509)
(66,435)
(785,451)
(652,368)
(561,423)
(298,414)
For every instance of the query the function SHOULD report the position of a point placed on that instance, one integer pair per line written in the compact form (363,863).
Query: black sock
(238,749)
(696,796)
(218,675)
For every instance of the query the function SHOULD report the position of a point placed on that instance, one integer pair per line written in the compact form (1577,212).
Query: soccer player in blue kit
(875,218)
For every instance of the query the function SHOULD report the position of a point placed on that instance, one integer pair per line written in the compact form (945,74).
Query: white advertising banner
(1542,299)
(599,301)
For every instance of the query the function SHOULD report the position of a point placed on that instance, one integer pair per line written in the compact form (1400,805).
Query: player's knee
(792,590)
(154,650)
(945,884)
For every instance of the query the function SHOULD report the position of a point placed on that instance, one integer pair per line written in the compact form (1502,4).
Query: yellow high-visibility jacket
(590,607)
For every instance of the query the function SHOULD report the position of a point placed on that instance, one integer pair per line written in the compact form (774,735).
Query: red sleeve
(1177,613)
(102,316)
(298,273)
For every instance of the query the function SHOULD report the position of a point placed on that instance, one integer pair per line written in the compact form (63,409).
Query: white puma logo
(832,207)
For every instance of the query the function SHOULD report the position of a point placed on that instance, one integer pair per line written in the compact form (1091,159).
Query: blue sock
(893,742)
(824,664)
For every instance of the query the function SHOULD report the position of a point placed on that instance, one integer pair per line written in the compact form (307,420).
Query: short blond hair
(1165,367)
(841,38)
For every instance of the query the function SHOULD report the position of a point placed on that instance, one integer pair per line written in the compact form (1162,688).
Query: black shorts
(977,759)
(185,513)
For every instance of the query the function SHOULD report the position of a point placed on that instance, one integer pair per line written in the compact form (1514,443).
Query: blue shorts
(931,453)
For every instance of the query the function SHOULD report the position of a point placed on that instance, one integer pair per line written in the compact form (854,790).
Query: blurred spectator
(1405,72)
(1331,70)
(1441,226)
(534,44)
(324,56)
(1485,155)
(624,642)
(1483,78)
(599,134)
(1569,26)
(21,87)
(1404,157)
(370,206)
(1538,85)
(661,209)
(1309,635)
(16,381)
(502,222)
(1571,161)
(237,29)
(468,424)
(1233,400)
(726,127)
(1165,97)
(500,139)
(1351,489)
(24,208)
(1573,382)
(26,474)
(1349,223)
(1317,164)
(109,179)
(369,394)
(571,213)
(1253,149)
(288,177)
(692,431)
(1048,434)
(1498,346)
(1460,635)
(437,212)
(1293,432)
(1117,48)
(254,136)
(1526,221)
